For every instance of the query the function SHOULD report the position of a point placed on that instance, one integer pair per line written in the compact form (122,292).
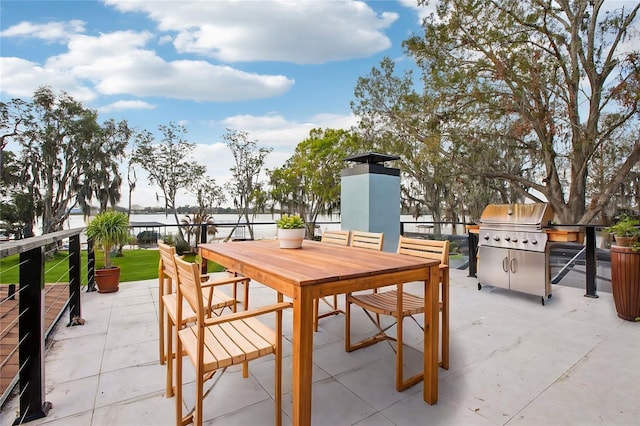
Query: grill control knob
(525,241)
(486,237)
(515,240)
(534,242)
(496,238)
(507,238)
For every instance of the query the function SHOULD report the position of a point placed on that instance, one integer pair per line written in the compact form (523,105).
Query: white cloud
(125,105)
(284,135)
(120,63)
(19,78)
(303,32)
(134,63)
(53,31)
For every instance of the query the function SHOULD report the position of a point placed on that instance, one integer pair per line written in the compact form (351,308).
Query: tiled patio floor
(513,362)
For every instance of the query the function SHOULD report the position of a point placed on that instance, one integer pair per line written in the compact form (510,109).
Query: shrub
(182,246)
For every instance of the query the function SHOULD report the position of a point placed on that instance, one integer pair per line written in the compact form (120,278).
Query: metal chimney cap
(371,158)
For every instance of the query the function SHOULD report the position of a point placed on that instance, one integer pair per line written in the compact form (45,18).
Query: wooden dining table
(318,270)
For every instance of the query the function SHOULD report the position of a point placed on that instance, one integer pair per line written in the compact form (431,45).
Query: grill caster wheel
(479,286)
(542,299)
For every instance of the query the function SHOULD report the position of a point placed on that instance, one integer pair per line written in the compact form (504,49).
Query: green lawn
(135,265)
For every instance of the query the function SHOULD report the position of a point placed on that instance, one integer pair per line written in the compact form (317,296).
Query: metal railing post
(91,267)
(590,265)
(74,279)
(473,253)
(31,340)
(203,240)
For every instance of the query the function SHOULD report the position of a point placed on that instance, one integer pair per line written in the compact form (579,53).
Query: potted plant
(108,230)
(625,230)
(625,268)
(291,231)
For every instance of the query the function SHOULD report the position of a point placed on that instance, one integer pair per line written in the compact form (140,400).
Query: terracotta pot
(625,281)
(291,238)
(108,280)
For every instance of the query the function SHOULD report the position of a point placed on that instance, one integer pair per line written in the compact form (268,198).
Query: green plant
(109,229)
(182,246)
(168,239)
(290,222)
(626,226)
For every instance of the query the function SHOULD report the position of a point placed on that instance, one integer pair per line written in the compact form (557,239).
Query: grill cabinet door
(529,272)
(491,266)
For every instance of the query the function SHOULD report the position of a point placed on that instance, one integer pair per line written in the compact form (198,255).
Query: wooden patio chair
(167,309)
(368,240)
(216,343)
(371,241)
(340,238)
(388,303)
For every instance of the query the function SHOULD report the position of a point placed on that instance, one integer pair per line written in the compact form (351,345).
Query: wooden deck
(55,299)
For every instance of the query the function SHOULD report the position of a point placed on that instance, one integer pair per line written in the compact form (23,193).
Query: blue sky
(275,69)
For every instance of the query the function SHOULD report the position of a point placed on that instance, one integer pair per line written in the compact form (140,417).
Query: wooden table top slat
(308,265)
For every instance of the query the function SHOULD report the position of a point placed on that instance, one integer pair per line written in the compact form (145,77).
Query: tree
(547,83)
(103,180)
(17,209)
(12,118)
(167,163)
(245,186)
(209,196)
(396,120)
(309,182)
(59,139)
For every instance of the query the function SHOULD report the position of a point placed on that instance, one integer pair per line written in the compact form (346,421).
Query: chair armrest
(247,314)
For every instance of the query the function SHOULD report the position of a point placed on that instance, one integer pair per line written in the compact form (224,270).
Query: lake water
(264,226)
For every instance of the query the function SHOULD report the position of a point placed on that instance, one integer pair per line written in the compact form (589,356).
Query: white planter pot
(291,238)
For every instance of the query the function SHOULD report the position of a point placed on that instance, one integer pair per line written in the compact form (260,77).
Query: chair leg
(245,301)
(334,310)
(179,419)
(161,320)
(347,323)
(316,312)
(401,382)
(445,320)
(278,378)
(399,353)
(197,419)
(170,358)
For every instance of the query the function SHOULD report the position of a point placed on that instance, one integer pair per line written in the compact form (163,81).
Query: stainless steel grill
(513,248)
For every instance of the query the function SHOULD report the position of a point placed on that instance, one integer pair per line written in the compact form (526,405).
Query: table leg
(302,355)
(431,329)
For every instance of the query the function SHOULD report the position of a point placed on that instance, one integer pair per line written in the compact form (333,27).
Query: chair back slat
(368,240)
(429,249)
(189,286)
(167,265)
(336,237)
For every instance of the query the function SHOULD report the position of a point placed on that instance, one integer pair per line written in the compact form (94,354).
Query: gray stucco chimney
(370,197)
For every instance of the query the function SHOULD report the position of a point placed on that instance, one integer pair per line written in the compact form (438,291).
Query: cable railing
(26,323)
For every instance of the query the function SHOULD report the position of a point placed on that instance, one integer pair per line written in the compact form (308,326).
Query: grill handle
(505,264)
(513,265)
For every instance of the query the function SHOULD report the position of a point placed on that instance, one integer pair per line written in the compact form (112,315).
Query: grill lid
(534,215)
